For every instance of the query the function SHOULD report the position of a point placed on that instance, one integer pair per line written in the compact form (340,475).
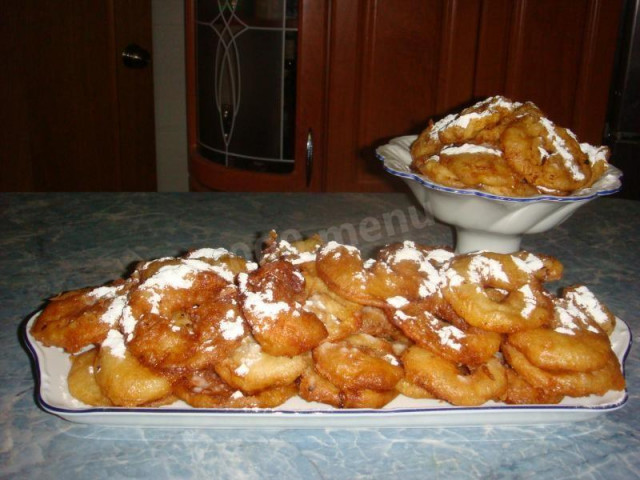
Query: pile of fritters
(506,148)
(314,319)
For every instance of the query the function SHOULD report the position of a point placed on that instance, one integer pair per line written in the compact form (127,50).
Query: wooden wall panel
(399,59)
(562,60)
(492,59)
(394,65)
(384,75)
(596,71)
(344,46)
(544,61)
(457,67)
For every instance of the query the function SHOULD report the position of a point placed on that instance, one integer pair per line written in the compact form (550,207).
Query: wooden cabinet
(73,116)
(372,70)
(306,173)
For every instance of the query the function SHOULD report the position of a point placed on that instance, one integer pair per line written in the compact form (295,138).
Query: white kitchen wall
(170,95)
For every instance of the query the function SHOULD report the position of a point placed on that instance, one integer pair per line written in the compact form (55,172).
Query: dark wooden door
(73,117)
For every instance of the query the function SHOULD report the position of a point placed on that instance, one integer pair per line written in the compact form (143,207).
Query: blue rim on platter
(405,417)
(396,158)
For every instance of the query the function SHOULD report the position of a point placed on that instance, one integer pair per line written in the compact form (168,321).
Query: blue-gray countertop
(55,242)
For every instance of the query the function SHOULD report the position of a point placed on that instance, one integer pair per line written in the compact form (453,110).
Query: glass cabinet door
(243,84)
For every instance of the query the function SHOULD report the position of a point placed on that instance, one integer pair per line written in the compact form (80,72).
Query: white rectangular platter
(52,366)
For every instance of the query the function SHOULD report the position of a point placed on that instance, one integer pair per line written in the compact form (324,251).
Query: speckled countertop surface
(55,242)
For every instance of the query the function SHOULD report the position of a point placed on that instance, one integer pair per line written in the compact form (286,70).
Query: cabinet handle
(134,56)
(309,158)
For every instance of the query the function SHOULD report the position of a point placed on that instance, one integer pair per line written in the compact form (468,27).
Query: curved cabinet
(253,83)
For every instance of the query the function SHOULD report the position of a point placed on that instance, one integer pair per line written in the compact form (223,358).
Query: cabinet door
(560,55)
(73,116)
(394,65)
(383,82)
(255,81)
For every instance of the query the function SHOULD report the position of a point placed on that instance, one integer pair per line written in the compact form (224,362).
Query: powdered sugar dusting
(128,322)
(179,275)
(114,311)
(224,271)
(587,301)
(570,318)
(409,252)
(232,327)
(565,316)
(560,147)
(441,125)
(290,253)
(334,248)
(391,359)
(439,256)
(303,257)
(481,267)
(529,299)
(470,148)
(397,302)
(491,105)
(261,305)
(449,337)
(529,264)
(242,370)
(209,253)
(595,154)
(237,395)
(252,352)
(115,342)
(104,292)
(454,279)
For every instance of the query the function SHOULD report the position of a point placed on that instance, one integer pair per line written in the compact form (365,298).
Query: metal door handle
(309,159)
(134,56)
